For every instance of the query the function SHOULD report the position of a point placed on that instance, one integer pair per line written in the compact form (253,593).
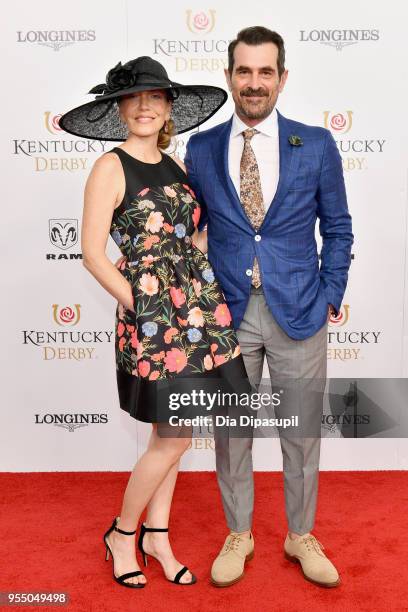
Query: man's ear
(283,80)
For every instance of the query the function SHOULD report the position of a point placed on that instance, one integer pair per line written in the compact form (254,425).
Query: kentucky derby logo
(200,23)
(342,316)
(66,315)
(338,123)
(52,122)
(63,232)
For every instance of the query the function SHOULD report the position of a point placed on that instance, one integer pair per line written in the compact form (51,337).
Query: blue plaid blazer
(297,287)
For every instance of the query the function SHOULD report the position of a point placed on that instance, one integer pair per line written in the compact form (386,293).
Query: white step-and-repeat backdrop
(347,72)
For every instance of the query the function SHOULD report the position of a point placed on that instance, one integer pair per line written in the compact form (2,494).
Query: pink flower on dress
(219,359)
(175,360)
(168,335)
(196,216)
(182,322)
(177,296)
(149,241)
(168,228)
(154,222)
(130,328)
(122,343)
(154,375)
(195,317)
(149,284)
(121,329)
(144,368)
(143,192)
(158,356)
(148,260)
(121,311)
(222,315)
(214,347)
(197,287)
(170,192)
(134,341)
(208,362)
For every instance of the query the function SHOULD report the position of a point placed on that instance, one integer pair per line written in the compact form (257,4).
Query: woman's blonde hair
(164,139)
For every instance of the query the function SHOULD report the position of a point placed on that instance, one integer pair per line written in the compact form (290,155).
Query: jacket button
(257,237)
(248,272)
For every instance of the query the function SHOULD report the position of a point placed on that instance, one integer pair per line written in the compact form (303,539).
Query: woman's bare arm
(102,188)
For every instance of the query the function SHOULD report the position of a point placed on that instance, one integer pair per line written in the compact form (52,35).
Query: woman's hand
(200,240)
(120,261)
(120,264)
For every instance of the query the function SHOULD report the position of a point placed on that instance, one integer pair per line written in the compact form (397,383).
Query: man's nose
(254,81)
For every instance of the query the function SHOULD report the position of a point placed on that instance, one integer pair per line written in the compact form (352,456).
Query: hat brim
(99,119)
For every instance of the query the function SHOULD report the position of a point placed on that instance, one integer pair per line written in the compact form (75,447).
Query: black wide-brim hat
(192,105)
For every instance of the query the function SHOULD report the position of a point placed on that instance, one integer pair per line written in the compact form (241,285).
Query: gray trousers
(259,335)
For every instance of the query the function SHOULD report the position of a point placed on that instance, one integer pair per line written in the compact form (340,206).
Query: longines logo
(352,150)
(58,155)
(338,337)
(339,38)
(71,421)
(197,54)
(63,234)
(66,344)
(56,39)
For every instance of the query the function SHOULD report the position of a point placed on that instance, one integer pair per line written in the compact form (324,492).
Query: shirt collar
(268,127)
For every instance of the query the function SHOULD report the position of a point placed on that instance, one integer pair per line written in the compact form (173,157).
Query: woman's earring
(166,127)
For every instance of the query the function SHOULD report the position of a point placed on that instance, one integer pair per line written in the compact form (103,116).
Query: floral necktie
(251,192)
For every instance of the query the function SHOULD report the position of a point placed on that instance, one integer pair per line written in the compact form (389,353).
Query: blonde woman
(172,322)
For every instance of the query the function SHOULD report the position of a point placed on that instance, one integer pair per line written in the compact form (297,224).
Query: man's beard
(261,110)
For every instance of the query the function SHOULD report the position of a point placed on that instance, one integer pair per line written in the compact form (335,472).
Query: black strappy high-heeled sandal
(121,579)
(176,579)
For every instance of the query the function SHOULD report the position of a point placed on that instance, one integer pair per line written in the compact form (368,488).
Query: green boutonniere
(296,141)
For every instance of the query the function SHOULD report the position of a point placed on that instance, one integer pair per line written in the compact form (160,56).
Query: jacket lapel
(220,154)
(289,156)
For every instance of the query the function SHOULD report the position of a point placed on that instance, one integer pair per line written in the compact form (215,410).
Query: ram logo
(63,232)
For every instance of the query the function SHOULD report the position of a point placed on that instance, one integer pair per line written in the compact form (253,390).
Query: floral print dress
(181,327)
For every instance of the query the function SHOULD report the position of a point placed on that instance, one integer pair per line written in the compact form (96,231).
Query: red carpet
(52,526)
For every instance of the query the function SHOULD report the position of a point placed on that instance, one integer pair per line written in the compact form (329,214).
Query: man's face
(255,84)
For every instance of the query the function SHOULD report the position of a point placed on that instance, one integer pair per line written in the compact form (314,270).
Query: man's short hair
(258,35)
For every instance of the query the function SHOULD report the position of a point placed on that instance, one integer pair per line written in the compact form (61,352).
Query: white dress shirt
(265,146)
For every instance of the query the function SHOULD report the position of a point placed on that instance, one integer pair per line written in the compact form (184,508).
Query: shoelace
(233,543)
(313,544)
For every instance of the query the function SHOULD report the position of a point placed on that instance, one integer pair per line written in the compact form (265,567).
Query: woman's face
(145,112)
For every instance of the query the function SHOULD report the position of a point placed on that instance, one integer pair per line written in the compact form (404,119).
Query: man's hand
(330,311)
(200,240)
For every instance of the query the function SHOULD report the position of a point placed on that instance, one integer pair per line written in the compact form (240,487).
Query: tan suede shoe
(228,567)
(316,567)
